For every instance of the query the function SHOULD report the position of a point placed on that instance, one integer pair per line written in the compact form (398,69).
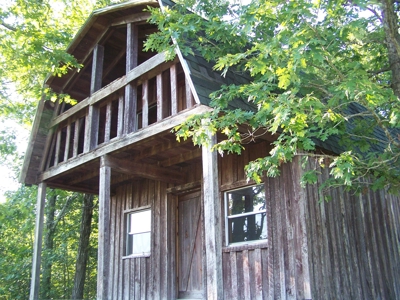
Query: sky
(8,179)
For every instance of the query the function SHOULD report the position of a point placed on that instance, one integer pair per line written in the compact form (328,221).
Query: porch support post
(212,221)
(103,260)
(37,246)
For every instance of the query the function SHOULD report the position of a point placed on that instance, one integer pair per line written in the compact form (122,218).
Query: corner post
(103,260)
(37,246)
(212,220)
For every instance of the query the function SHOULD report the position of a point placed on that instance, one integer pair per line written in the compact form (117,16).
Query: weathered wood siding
(347,248)
(353,244)
(144,277)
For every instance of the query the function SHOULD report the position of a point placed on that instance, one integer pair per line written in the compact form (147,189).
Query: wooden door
(190,247)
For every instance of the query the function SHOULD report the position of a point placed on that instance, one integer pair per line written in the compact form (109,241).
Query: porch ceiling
(158,157)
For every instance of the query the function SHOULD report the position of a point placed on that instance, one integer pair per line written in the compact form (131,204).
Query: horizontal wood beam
(143,170)
(131,19)
(146,67)
(134,137)
(180,158)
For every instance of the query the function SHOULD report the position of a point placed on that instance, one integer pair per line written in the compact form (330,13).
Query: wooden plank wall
(144,277)
(353,244)
(244,270)
(347,248)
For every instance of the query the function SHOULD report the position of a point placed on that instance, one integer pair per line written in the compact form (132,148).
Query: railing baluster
(92,127)
(120,124)
(145,104)
(67,141)
(160,106)
(58,144)
(76,137)
(107,127)
(174,90)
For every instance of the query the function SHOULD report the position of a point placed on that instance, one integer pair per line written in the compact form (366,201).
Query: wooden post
(145,104)
(97,68)
(212,221)
(174,90)
(37,246)
(103,259)
(160,93)
(131,89)
(92,118)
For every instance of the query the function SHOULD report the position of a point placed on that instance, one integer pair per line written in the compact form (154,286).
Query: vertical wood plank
(145,104)
(160,92)
(112,266)
(67,140)
(92,118)
(120,121)
(257,274)
(107,127)
(91,128)
(246,275)
(301,235)
(164,263)
(130,110)
(171,201)
(156,250)
(132,46)
(76,137)
(103,260)
(37,246)
(97,68)
(58,146)
(212,221)
(270,199)
(174,90)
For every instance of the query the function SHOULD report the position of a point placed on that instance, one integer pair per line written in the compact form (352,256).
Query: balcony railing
(147,94)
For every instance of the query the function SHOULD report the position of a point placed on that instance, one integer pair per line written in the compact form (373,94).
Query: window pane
(140,222)
(251,199)
(141,243)
(247,228)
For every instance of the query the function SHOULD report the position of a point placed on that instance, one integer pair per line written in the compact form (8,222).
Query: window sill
(246,246)
(139,255)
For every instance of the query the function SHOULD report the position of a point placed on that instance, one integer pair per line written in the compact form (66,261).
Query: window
(245,215)
(138,233)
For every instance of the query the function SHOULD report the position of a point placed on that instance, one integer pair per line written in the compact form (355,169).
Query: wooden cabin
(178,221)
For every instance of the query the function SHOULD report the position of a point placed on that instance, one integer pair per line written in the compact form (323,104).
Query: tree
(322,72)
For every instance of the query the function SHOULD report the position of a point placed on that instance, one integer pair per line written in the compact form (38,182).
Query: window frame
(261,243)
(126,216)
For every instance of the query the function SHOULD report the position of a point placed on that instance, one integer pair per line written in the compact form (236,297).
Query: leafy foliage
(324,75)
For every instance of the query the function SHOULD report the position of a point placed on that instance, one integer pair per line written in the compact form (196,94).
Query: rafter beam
(143,170)
(131,19)
(180,158)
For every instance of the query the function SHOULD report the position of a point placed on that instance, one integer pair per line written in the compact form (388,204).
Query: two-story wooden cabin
(177,221)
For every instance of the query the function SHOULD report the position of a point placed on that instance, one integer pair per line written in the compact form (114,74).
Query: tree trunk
(83,249)
(392,38)
(48,247)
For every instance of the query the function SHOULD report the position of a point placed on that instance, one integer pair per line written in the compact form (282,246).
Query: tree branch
(9,27)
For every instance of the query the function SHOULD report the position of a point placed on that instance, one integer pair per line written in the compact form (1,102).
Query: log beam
(212,222)
(37,246)
(103,259)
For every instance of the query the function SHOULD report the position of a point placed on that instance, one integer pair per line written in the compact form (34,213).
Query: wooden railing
(147,94)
